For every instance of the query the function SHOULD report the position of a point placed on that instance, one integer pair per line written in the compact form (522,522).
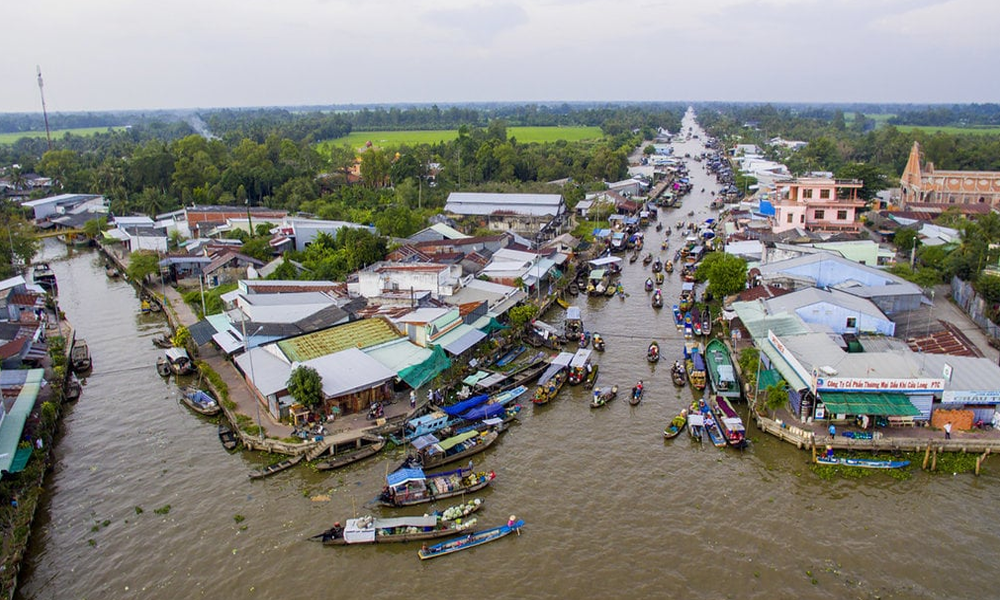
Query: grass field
(523,134)
(951,130)
(10,138)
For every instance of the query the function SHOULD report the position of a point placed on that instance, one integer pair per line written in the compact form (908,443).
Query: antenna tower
(45,114)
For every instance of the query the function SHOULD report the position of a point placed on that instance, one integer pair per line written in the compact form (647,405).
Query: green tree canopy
(306,386)
(142,264)
(726,274)
(522,315)
(905,239)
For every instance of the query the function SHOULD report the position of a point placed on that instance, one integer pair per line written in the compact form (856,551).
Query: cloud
(479,23)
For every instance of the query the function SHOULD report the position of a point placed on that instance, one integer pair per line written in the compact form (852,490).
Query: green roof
(12,425)
(869,403)
(768,377)
(358,334)
(451,442)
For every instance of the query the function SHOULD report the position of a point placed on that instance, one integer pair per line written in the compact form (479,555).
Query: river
(612,510)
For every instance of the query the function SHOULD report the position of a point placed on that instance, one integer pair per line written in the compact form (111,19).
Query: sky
(138,54)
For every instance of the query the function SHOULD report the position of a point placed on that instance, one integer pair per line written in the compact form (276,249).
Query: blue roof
(461,407)
(484,412)
(404,475)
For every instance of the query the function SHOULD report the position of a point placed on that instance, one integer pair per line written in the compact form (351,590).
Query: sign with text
(877,384)
(787,355)
(971,397)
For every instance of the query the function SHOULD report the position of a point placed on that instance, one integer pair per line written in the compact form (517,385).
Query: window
(824,194)
(841,215)
(852,322)
(802,218)
(819,214)
(807,193)
(789,220)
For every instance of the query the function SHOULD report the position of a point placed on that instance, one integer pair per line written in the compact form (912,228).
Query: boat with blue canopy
(410,486)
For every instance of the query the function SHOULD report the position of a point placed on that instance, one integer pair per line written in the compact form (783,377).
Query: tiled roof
(761,291)
(358,334)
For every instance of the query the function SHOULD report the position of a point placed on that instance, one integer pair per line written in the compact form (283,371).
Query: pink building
(818,204)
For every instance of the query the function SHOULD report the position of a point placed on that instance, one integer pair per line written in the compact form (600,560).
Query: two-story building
(817,204)
(528,214)
(440,280)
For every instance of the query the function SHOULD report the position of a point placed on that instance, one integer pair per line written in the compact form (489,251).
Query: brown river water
(612,510)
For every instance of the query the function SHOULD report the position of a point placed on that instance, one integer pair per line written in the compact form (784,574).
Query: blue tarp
(404,475)
(485,411)
(464,405)
(766,208)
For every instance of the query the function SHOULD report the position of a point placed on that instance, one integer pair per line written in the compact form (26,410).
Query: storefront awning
(768,377)
(869,403)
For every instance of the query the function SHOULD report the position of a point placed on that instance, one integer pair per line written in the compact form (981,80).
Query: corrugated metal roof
(810,296)
(358,334)
(467,203)
(968,373)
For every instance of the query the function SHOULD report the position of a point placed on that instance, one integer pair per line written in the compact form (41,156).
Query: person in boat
(829,451)
(638,386)
(333,533)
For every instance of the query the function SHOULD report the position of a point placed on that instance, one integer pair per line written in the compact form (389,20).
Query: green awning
(768,377)
(451,442)
(20,461)
(491,326)
(869,403)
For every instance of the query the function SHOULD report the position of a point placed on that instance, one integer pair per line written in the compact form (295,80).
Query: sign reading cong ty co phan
(876,384)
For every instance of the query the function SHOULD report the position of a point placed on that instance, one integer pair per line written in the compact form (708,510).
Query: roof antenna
(45,114)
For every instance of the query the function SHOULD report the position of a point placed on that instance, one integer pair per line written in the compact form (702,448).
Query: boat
(678,374)
(163,366)
(696,426)
(584,339)
(696,321)
(346,458)
(432,453)
(678,317)
(43,275)
(511,355)
(228,438)
(591,378)
(657,266)
(472,540)
(721,371)
(406,487)
(79,356)
(562,303)
(602,397)
(277,467)
(552,380)
(621,291)
(598,342)
(657,299)
(178,360)
(658,278)
(730,423)
(676,425)
(709,424)
(73,389)
(669,266)
(694,363)
(659,226)
(200,401)
(573,288)
(691,214)
(163,341)
(679,225)
(653,352)
(579,366)
(647,259)
(706,323)
(634,257)
(111,272)
(864,463)
(649,284)
(688,331)
(378,530)
(636,397)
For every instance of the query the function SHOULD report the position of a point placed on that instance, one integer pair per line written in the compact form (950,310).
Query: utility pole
(45,113)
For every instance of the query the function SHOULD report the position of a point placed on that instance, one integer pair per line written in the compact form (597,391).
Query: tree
(873,178)
(905,239)
(18,244)
(748,360)
(522,315)
(726,274)
(142,264)
(259,248)
(306,386)
(649,150)
(94,227)
(988,287)
(775,396)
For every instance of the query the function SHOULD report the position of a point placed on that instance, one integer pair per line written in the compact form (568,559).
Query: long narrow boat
(228,438)
(552,381)
(432,453)
(678,375)
(277,467)
(200,401)
(412,486)
(730,423)
(706,323)
(376,530)
(694,362)
(676,425)
(863,463)
(653,352)
(470,541)
(602,397)
(714,433)
(636,397)
(721,371)
(591,377)
(510,356)
(342,460)
(678,317)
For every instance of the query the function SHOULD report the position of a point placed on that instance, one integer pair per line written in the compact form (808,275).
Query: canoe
(648,285)
(648,259)
(657,266)
(636,396)
(472,540)
(653,352)
(200,401)
(676,425)
(591,378)
(277,467)
(657,299)
(342,460)
(510,356)
(598,342)
(678,375)
(163,342)
(863,463)
(406,487)
(562,303)
(603,397)
(730,423)
(163,366)
(228,438)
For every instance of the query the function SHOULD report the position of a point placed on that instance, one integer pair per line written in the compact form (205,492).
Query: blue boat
(864,463)
(469,541)
(678,317)
(511,356)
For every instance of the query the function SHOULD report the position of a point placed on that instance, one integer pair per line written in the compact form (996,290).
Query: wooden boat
(649,284)
(669,266)
(584,339)
(658,278)
(676,425)
(657,266)
(43,275)
(696,426)
(573,288)
(111,272)
(653,352)
(406,487)
(657,299)
(711,427)
(562,303)
(431,453)
(721,371)
(863,463)
(377,530)
(678,317)
(659,226)
(633,258)
(163,341)
(706,323)
(79,356)
(200,401)
(178,360)
(163,366)
(546,392)
(730,423)
(696,321)
(694,363)
(598,342)
(602,397)
(636,397)
(591,377)
(647,259)
(277,467)
(510,356)
(73,389)
(342,460)
(470,541)
(679,225)
(678,374)
(688,331)
(228,438)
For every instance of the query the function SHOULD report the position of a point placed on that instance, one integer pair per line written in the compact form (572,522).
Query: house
(518,268)
(839,311)
(436,232)
(528,214)
(203,218)
(442,327)
(499,298)
(297,233)
(627,188)
(922,184)
(44,208)
(439,279)
(890,293)
(228,267)
(818,204)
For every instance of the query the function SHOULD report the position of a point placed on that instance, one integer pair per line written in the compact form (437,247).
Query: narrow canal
(144,503)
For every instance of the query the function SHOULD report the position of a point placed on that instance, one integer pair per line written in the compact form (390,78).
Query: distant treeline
(956,115)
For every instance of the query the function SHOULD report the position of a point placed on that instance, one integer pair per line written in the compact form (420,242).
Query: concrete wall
(835,317)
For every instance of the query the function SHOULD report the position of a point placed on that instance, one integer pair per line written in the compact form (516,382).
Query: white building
(439,280)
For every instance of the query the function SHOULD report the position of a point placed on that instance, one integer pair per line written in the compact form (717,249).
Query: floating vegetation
(162,510)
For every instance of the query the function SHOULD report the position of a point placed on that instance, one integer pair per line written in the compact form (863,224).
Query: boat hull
(468,542)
